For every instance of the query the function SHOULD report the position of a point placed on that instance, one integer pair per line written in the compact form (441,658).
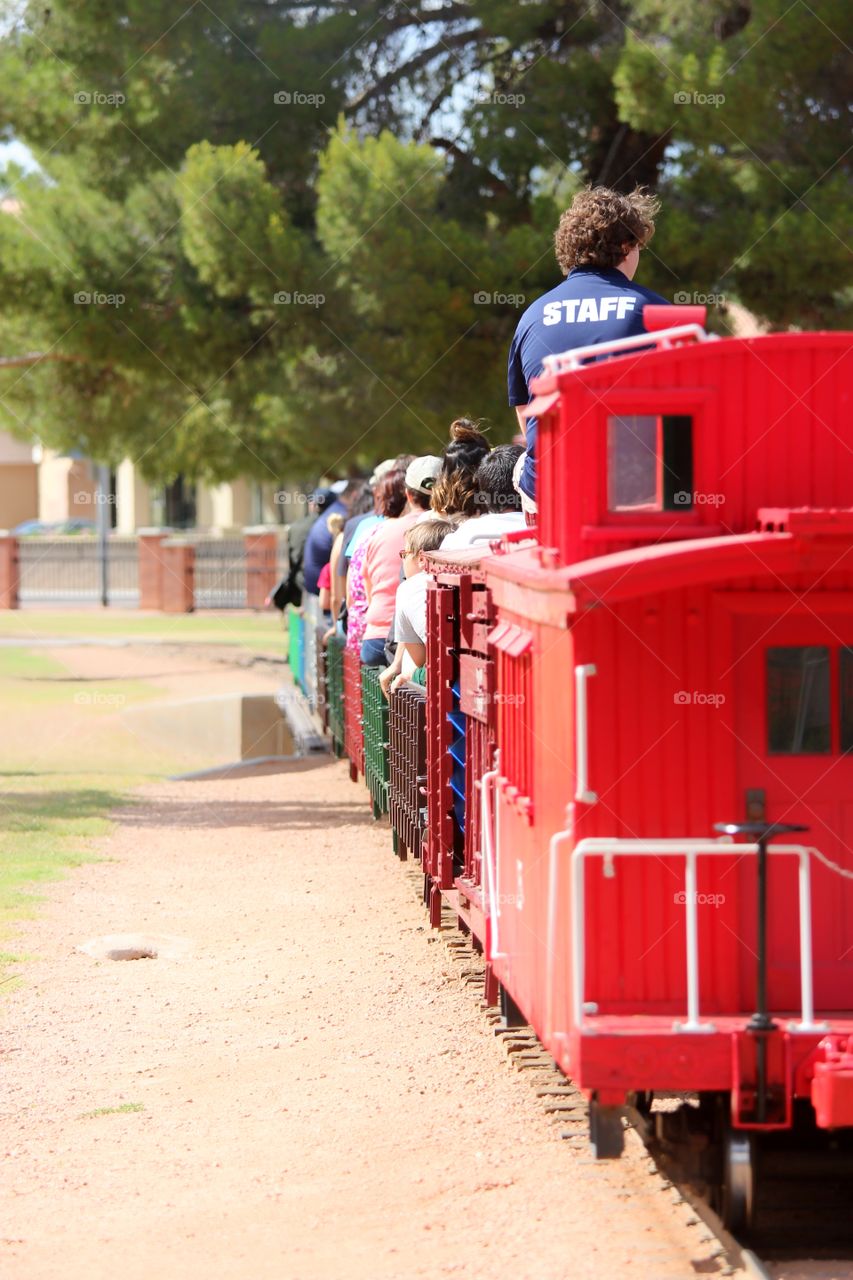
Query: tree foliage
(305,230)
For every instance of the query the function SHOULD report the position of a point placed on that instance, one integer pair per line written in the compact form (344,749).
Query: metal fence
(67,570)
(220,573)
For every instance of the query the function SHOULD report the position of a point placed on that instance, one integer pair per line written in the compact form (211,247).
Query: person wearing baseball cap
(421,475)
(320,499)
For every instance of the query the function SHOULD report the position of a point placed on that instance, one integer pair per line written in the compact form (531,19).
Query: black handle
(760,1022)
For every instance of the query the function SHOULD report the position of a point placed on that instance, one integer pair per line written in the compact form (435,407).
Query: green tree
(397,161)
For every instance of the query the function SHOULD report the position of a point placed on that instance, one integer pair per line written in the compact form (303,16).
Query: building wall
(226,506)
(39,483)
(66,487)
(19,497)
(13,450)
(133,499)
(18,481)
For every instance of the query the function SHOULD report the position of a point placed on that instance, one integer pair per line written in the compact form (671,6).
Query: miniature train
(630,771)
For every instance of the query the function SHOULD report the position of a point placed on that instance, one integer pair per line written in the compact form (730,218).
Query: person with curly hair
(598,243)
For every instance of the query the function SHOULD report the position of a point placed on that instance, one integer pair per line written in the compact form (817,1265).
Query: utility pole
(102,501)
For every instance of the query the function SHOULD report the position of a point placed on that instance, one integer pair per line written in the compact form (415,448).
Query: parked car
(75,525)
(29,527)
(56,528)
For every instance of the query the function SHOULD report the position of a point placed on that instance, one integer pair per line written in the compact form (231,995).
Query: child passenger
(335,524)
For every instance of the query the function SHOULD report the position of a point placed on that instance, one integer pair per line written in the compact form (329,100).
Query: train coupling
(832,1082)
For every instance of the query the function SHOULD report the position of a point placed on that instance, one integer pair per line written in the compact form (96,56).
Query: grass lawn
(67,759)
(258,632)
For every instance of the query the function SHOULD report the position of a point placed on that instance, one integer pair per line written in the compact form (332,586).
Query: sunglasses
(405,553)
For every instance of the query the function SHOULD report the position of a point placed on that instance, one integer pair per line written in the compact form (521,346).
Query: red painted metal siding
(460,615)
(353,736)
(515,712)
(661,752)
(439,846)
(543,761)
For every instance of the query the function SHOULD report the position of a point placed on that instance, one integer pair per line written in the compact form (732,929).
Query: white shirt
(479,531)
(410,610)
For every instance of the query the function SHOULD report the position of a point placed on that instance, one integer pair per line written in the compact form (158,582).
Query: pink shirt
(382,565)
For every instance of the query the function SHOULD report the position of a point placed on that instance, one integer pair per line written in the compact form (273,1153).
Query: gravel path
(309,1094)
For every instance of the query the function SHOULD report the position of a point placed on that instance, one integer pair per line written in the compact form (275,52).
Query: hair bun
(464,431)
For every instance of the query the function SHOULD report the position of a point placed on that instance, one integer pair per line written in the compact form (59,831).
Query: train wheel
(738,1197)
(606,1131)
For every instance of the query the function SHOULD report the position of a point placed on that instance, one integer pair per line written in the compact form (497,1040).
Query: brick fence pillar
(8,571)
(151,568)
(261,546)
(178,576)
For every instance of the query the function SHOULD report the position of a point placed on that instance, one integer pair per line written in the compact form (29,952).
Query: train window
(798,705)
(650,462)
(846,684)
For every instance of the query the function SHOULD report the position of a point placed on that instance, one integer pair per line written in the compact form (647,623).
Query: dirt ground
(306,1091)
(310,1092)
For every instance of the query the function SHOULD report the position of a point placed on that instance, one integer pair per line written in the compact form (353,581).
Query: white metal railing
(690,849)
(489,862)
(563,361)
(557,839)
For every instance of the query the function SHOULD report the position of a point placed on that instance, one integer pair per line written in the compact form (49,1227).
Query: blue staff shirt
(591,305)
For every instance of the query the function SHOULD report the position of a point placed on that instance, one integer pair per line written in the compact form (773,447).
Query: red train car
(461,724)
(677,654)
(353,734)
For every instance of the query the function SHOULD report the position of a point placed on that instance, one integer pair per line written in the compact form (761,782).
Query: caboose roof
(818,545)
(636,366)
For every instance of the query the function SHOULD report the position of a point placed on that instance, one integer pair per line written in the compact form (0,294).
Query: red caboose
(677,653)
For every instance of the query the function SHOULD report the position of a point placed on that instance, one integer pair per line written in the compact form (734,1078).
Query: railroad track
(790,1210)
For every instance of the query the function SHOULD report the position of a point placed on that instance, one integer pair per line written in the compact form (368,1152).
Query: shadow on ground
(273,816)
(31,809)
